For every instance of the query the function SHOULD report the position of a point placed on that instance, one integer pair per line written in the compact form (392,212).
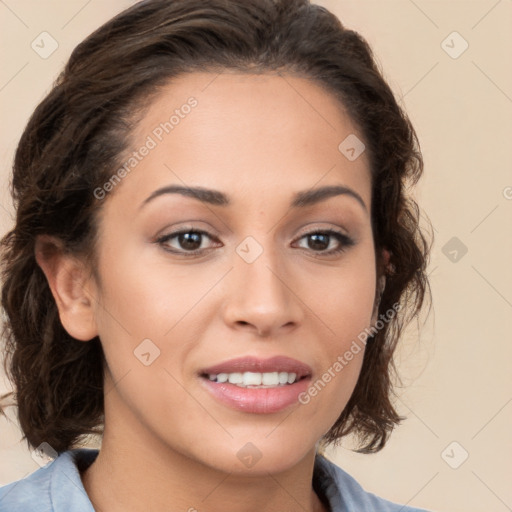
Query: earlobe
(381,284)
(70,285)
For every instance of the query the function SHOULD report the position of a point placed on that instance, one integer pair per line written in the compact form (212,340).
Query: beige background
(457,384)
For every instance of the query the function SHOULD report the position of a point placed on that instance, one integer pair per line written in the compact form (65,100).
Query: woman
(212,262)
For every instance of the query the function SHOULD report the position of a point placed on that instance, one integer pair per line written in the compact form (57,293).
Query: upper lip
(257,365)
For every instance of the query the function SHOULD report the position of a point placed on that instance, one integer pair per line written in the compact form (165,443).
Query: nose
(261,296)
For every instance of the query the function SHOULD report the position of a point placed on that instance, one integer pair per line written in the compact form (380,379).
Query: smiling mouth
(257,385)
(256,380)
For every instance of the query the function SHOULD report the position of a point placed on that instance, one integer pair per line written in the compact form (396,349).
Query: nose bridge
(260,294)
(259,265)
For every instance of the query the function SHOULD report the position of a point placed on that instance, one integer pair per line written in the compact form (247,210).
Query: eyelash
(344,240)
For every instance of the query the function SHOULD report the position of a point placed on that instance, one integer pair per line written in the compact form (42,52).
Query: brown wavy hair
(77,137)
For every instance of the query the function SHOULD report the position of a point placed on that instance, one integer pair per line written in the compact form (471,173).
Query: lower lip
(257,400)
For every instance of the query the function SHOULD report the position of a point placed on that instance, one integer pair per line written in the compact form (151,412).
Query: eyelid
(191,225)
(185,229)
(326,227)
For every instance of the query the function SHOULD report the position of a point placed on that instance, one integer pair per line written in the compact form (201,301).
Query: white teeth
(255,379)
(291,378)
(235,378)
(252,379)
(270,379)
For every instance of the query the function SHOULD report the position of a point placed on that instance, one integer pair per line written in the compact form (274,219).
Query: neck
(124,479)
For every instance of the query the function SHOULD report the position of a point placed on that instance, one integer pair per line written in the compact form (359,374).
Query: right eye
(184,241)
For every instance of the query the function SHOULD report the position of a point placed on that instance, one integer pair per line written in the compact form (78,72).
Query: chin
(258,457)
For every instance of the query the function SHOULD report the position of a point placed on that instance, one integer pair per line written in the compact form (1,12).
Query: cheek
(147,328)
(144,297)
(151,312)
(344,305)
(343,298)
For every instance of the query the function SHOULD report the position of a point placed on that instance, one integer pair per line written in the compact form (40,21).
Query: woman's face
(256,276)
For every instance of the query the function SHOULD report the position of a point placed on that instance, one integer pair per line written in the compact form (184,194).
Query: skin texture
(168,444)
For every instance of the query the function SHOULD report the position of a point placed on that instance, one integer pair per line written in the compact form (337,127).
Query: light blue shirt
(57,487)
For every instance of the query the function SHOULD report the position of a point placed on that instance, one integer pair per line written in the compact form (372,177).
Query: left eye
(322,241)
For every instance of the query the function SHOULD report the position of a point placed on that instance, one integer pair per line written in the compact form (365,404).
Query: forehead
(255,134)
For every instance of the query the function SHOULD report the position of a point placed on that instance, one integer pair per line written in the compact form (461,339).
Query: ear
(71,287)
(381,283)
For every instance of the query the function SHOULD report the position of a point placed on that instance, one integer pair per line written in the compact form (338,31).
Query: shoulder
(56,487)
(343,492)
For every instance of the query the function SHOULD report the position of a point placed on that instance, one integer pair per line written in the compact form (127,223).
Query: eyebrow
(217,198)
